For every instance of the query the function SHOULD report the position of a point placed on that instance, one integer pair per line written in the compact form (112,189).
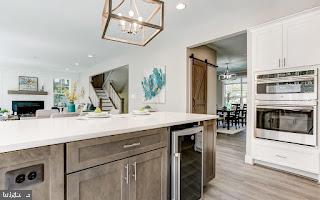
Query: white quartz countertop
(25,134)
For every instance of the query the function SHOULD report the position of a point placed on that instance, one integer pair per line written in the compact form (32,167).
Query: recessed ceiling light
(67,69)
(76,64)
(181,6)
(90,56)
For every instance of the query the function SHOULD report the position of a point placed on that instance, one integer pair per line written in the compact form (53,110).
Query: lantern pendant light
(134,22)
(227,75)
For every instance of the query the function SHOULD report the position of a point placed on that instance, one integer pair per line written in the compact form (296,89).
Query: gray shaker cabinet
(103,182)
(142,177)
(148,178)
(123,167)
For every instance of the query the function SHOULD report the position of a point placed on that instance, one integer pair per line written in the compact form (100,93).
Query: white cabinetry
(289,43)
(268,50)
(289,155)
(301,44)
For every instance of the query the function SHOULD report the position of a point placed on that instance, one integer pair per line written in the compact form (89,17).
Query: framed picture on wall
(154,85)
(27,83)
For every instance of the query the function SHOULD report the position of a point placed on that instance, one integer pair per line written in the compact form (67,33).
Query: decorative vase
(71,107)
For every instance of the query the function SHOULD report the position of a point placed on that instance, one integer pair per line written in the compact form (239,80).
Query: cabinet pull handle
(127,174)
(284,62)
(281,156)
(134,175)
(131,145)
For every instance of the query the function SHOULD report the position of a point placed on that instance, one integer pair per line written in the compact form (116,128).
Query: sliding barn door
(199,87)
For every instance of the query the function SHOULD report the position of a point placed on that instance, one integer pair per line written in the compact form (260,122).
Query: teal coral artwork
(153,85)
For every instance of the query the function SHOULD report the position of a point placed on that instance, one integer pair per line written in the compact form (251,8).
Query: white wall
(205,53)
(205,23)
(9,81)
(219,93)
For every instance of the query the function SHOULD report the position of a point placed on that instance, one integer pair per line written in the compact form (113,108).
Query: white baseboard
(248,159)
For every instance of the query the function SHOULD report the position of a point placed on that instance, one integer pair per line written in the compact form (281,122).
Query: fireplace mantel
(27,92)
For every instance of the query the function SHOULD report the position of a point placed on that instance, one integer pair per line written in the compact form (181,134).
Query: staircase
(106,104)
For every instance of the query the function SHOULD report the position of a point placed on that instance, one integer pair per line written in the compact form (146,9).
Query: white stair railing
(116,100)
(94,98)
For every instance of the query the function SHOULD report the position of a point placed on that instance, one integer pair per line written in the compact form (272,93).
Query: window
(235,91)
(59,87)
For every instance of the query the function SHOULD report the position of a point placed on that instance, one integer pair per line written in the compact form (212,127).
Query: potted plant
(3,111)
(72,95)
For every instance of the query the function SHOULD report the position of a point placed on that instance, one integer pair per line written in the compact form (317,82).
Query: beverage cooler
(187,164)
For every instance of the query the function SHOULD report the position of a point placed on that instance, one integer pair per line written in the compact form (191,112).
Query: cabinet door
(107,181)
(268,48)
(149,173)
(301,41)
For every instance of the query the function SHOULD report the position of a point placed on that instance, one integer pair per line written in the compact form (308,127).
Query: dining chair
(244,107)
(243,118)
(220,119)
(40,114)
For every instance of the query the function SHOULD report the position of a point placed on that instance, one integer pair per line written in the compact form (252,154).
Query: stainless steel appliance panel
(287,123)
(287,84)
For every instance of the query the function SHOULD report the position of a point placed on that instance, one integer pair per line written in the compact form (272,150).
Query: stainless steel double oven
(286,106)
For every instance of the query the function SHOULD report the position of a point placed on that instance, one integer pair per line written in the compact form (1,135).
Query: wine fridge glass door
(188,166)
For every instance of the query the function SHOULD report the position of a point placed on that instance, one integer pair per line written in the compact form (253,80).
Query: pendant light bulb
(181,6)
(131,13)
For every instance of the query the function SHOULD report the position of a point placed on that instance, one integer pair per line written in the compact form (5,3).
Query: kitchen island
(121,157)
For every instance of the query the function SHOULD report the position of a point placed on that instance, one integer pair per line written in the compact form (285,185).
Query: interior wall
(9,80)
(169,48)
(219,94)
(119,77)
(206,53)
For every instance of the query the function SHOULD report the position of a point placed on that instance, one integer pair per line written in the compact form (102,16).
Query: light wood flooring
(236,180)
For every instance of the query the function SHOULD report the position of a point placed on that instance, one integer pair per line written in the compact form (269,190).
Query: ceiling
(57,34)
(231,50)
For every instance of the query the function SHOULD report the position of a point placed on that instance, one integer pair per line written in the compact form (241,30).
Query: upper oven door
(287,85)
(290,123)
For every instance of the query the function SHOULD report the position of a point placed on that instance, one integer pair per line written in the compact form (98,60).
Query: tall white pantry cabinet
(290,42)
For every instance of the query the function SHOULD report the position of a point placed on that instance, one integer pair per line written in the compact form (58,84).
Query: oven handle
(286,79)
(293,108)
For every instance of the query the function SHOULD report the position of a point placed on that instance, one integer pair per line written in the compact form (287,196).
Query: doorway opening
(109,90)
(217,84)
(231,84)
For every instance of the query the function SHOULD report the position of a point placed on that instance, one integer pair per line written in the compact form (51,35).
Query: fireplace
(27,108)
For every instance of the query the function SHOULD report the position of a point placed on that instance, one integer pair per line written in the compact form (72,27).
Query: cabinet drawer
(89,153)
(306,161)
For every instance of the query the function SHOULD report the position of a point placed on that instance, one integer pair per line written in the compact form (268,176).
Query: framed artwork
(154,85)
(27,83)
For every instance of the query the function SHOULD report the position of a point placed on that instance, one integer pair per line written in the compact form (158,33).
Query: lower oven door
(287,123)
